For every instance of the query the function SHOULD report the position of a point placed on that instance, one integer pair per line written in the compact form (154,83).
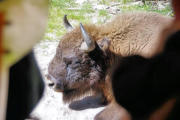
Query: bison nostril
(50,84)
(54,83)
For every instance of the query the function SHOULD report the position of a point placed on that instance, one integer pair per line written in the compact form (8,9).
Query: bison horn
(88,44)
(67,25)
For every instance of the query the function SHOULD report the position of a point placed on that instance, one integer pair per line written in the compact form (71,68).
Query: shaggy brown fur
(128,33)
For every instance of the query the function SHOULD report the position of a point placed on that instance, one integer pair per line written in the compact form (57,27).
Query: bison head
(79,64)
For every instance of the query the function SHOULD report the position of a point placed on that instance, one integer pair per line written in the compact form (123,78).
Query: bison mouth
(57,86)
(74,94)
(69,91)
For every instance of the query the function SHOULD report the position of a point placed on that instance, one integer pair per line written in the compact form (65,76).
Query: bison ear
(67,25)
(88,45)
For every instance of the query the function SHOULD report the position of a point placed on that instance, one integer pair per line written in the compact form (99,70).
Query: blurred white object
(27,22)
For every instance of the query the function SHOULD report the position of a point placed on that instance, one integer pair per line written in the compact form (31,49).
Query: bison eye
(67,61)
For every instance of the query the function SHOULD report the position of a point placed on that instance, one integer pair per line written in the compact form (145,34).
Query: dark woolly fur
(142,85)
(75,94)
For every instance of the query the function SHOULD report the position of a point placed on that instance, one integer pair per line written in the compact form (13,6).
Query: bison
(147,88)
(84,58)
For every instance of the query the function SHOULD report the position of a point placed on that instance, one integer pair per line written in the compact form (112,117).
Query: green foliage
(125,1)
(148,7)
(105,2)
(62,3)
(85,12)
(103,13)
(57,10)
(87,5)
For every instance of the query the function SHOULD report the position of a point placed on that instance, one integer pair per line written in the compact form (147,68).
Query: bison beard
(143,85)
